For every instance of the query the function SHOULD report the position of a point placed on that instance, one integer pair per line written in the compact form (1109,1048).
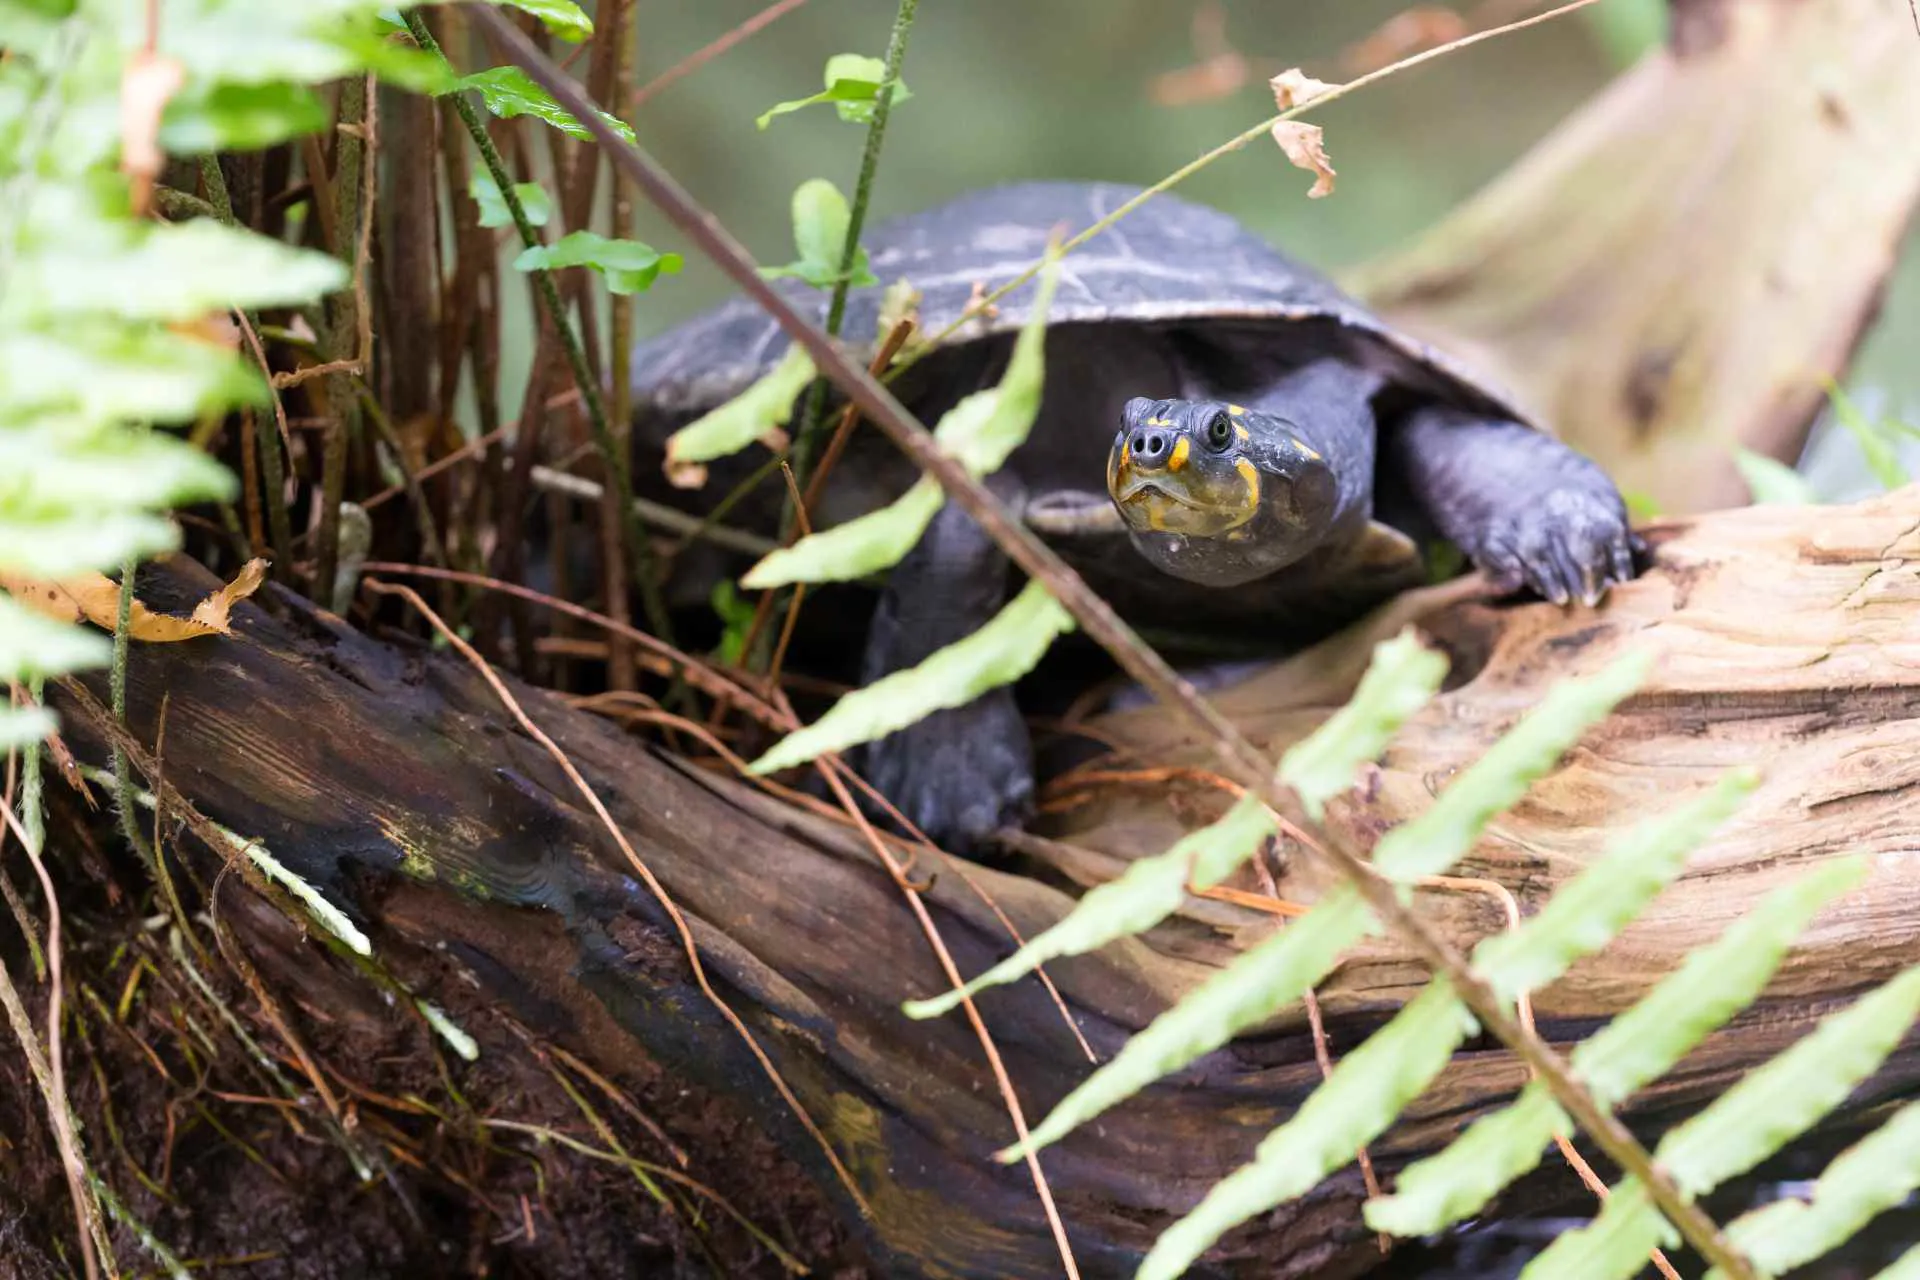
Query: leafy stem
(613,458)
(1242,760)
(806,443)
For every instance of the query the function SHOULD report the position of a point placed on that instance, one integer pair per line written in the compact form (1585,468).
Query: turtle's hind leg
(1527,509)
(960,774)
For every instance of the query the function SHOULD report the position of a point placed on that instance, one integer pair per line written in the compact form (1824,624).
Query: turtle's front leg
(958,775)
(1524,507)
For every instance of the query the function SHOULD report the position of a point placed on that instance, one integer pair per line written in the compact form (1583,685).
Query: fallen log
(390,778)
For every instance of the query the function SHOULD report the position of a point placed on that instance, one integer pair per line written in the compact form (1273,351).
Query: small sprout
(820,221)
(628,265)
(534,202)
(853,87)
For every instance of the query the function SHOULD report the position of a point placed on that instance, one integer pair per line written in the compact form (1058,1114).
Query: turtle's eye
(1219,432)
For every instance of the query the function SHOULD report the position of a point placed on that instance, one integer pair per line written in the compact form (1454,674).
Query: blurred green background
(1013,89)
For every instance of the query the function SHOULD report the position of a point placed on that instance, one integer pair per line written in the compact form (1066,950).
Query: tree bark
(389,777)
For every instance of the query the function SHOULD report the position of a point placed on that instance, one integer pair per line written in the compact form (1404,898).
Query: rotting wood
(392,778)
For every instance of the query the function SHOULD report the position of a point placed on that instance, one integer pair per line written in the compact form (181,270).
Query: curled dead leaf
(1303,145)
(1409,32)
(1294,88)
(95,598)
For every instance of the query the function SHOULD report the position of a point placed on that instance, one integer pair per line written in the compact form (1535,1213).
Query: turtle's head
(1236,492)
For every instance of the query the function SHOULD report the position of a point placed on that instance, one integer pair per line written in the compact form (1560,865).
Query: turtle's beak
(1165,482)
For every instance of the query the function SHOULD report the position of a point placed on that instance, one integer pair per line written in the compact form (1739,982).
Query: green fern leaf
(1401,679)
(1636,1048)
(1145,894)
(982,431)
(1872,1176)
(1586,913)
(1266,977)
(998,653)
(1356,1103)
(1434,841)
(762,407)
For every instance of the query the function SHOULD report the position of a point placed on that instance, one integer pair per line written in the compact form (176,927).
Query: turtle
(1226,441)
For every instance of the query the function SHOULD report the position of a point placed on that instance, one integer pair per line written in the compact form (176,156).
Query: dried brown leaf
(1302,143)
(148,82)
(1294,87)
(95,598)
(1403,35)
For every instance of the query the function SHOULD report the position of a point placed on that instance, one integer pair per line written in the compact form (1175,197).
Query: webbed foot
(959,775)
(1572,544)
(1527,510)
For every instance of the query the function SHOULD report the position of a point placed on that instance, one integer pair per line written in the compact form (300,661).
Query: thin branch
(1238,755)
(708,52)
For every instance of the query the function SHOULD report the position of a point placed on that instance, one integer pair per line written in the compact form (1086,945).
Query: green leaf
(21,726)
(1430,843)
(1585,914)
(174,272)
(1146,893)
(763,407)
(1636,1048)
(1763,1111)
(1772,483)
(32,644)
(563,18)
(59,549)
(1401,679)
(1904,1267)
(998,653)
(1874,438)
(1870,1177)
(110,371)
(856,548)
(982,431)
(1268,976)
(43,470)
(210,117)
(534,202)
(627,265)
(1777,1102)
(509,92)
(1710,987)
(853,87)
(1367,1090)
(820,221)
(1612,1247)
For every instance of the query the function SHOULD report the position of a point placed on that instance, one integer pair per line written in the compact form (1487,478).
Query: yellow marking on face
(1158,422)
(1126,455)
(1250,474)
(1246,437)
(1235,410)
(1313,455)
(1178,458)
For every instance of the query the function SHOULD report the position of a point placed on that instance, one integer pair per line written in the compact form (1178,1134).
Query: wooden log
(391,778)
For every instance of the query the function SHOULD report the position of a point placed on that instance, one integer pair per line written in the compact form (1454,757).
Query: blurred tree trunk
(1673,271)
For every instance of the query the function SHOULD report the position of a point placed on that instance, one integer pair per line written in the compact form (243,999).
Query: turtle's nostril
(1150,445)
